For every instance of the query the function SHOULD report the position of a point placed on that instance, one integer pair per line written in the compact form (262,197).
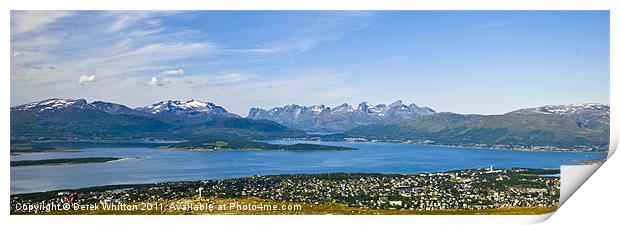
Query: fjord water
(149,165)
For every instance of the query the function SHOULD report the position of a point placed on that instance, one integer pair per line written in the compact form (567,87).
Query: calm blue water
(148,165)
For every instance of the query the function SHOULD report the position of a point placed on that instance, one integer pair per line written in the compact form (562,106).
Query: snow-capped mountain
(339,118)
(51,105)
(585,115)
(68,106)
(181,109)
(568,109)
(187,111)
(192,107)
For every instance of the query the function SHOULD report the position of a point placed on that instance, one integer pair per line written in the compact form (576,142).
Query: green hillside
(508,129)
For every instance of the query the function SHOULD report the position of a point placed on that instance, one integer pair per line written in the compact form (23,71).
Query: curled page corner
(572,177)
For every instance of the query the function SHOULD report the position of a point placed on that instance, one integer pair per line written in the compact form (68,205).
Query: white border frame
(303,5)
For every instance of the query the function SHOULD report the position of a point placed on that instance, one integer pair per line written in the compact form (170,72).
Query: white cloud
(158,81)
(37,41)
(122,22)
(86,79)
(163,51)
(309,33)
(28,21)
(173,72)
(126,19)
(493,25)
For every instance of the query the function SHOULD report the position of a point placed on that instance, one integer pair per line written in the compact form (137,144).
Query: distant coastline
(227,145)
(545,148)
(588,162)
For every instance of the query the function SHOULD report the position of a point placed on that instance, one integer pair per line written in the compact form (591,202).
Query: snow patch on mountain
(567,109)
(193,108)
(49,105)
(190,105)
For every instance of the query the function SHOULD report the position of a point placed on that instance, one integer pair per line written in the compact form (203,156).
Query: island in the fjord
(221,145)
(63,161)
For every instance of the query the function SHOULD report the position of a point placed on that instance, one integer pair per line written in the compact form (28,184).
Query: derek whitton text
(206,207)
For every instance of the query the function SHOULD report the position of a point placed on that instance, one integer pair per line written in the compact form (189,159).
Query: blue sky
(483,62)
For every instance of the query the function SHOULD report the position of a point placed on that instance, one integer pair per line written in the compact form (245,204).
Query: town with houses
(476,189)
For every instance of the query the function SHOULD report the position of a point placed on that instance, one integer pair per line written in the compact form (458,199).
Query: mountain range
(67,119)
(565,126)
(341,118)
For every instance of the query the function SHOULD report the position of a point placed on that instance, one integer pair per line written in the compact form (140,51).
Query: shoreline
(445,145)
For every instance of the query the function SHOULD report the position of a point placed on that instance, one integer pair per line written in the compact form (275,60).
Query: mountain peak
(319,108)
(344,107)
(397,103)
(339,118)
